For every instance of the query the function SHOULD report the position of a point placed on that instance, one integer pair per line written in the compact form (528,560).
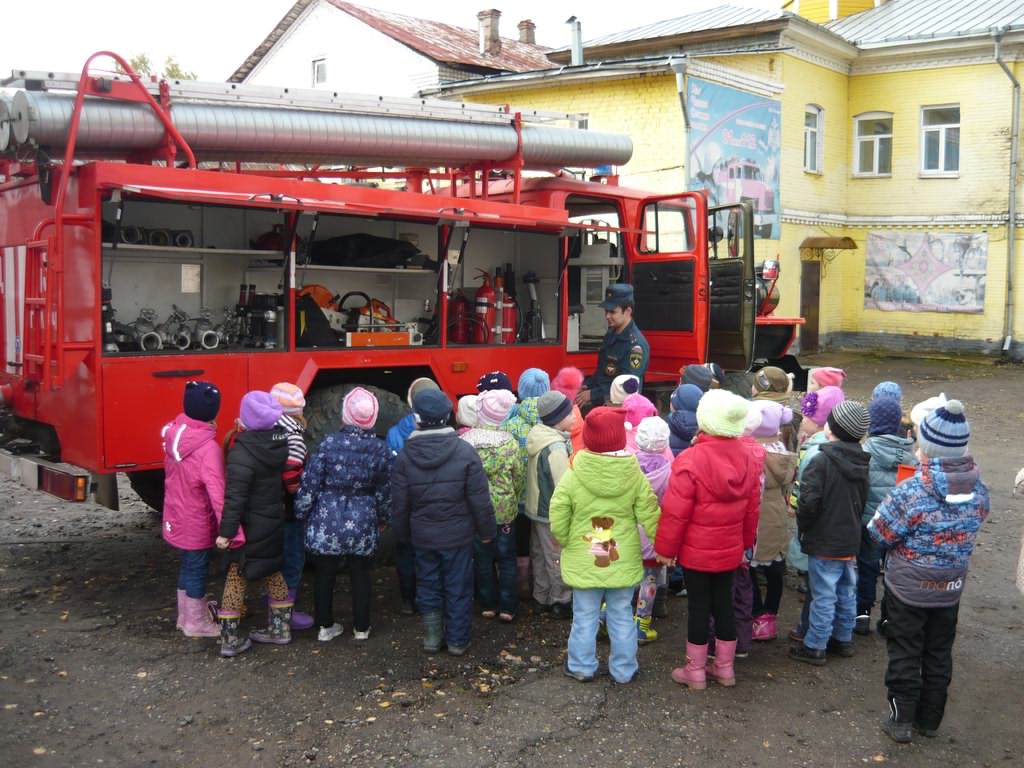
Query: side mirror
(770,269)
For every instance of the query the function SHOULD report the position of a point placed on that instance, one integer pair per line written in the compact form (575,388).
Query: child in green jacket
(594,513)
(499,453)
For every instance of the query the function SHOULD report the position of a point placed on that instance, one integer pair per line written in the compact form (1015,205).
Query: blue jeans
(501,594)
(586,608)
(869,566)
(195,566)
(294,553)
(444,582)
(833,601)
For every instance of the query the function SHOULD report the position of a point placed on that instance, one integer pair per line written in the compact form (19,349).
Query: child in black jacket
(440,500)
(833,491)
(254,503)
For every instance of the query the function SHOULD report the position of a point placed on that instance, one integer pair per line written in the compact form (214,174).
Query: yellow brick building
(911,117)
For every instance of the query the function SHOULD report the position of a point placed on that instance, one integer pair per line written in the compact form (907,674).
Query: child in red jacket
(709,517)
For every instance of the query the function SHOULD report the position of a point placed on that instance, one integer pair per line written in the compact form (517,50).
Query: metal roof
(714,18)
(442,43)
(905,21)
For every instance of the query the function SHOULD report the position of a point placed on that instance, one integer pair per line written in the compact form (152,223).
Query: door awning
(837,243)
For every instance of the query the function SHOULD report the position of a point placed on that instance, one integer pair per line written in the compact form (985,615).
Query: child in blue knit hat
(929,523)
(889,447)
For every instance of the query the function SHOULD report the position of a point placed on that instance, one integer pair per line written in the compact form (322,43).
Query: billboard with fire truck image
(734,150)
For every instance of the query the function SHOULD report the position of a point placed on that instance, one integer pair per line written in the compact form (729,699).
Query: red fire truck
(157,232)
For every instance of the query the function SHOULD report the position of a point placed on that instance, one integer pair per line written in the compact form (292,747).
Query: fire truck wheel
(149,485)
(323,410)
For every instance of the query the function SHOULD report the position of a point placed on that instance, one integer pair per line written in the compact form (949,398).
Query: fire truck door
(142,394)
(668,280)
(732,286)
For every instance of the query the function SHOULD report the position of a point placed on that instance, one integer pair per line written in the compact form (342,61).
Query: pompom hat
(533,382)
(494,380)
(887,389)
(568,381)
(637,408)
(772,379)
(944,432)
(359,409)
(493,406)
(622,387)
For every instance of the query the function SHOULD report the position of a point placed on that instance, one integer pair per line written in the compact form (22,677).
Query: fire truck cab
(145,260)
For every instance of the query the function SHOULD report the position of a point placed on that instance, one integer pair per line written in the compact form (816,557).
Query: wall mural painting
(734,155)
(926,271)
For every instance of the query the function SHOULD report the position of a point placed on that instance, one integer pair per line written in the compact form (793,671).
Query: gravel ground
(92,671)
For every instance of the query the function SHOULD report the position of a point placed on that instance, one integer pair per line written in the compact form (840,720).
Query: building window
(940,140)
(872,144)
(814,136)
(319,71)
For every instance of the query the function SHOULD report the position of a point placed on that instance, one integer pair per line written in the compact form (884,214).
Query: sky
(213,37)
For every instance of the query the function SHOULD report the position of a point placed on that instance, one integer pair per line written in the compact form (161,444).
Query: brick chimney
(490,39)
(527,32)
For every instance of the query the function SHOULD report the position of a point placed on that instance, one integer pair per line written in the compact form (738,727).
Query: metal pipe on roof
(228,132)
(1011,224)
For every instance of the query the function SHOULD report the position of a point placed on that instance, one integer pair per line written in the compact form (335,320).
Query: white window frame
(818,166)
(941,171)
(315,68)
(874,139)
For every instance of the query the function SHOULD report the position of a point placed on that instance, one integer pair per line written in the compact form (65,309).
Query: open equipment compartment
(181,277)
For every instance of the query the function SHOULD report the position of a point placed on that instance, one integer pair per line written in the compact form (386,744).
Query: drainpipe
(1011,226)
(679,67)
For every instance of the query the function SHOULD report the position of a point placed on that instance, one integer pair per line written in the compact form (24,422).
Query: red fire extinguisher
(458,318)
(484,308)
(506,310)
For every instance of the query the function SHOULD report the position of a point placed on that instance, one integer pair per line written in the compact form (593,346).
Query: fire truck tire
(149,485)
(323,410)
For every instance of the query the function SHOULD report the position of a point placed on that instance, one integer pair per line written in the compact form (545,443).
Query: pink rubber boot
(197,621)
(693,675)
(721,669)
(766,627)
(180,621)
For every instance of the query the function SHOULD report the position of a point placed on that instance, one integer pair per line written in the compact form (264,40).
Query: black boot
(898,726)
(231,643)
(661,603)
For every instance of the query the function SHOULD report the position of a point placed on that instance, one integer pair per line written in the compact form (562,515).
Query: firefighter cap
(616,296)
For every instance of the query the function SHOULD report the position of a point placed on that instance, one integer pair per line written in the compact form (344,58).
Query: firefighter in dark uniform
(623,351)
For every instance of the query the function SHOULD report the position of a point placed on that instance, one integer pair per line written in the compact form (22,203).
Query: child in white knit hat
(467,416)
(622,387)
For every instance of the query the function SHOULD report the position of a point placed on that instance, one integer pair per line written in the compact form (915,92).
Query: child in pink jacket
(193,500)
